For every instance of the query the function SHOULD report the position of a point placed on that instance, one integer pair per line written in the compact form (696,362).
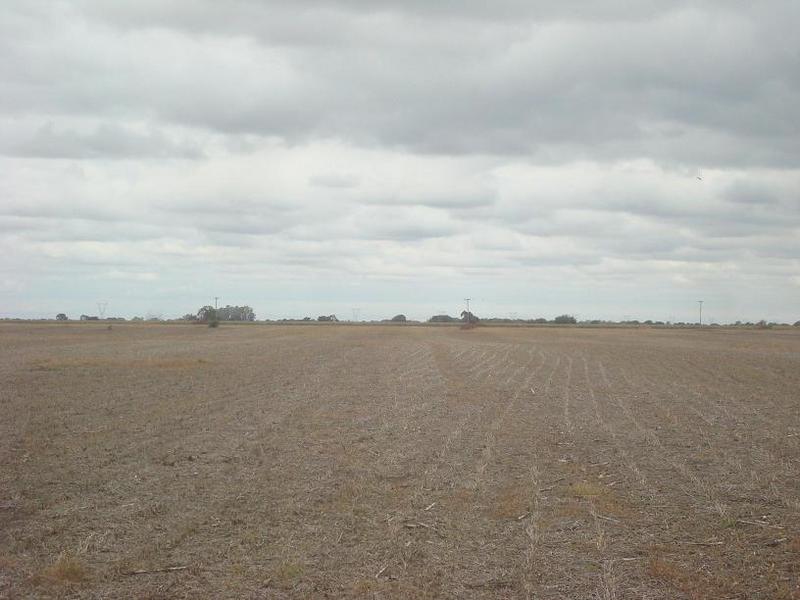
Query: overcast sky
(606,159)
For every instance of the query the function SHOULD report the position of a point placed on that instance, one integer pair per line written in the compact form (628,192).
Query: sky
(608,159)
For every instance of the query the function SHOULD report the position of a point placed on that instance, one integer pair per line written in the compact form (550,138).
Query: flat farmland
(177,461)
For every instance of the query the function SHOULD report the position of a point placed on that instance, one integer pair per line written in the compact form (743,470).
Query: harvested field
(394,462)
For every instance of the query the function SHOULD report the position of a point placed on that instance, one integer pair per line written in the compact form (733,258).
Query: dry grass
(668,571)
(584,489)
(600,498)
(511,503)
(67,568)
(100,362)
(287,573)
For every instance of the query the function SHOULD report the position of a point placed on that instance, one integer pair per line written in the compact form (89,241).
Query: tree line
(209,314)
(469,317)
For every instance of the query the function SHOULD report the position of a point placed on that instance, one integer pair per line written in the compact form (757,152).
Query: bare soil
(178,461)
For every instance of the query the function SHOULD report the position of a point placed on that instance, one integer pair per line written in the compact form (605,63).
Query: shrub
(468,317)
(67,569)
(442,319)
(565,319)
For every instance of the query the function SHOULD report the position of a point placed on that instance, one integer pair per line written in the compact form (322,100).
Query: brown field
(177,461)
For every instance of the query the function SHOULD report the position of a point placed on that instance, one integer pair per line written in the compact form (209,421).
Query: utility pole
(700,302)
(469,314)
(215,302)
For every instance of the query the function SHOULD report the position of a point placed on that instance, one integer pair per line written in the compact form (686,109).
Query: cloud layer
(540,156)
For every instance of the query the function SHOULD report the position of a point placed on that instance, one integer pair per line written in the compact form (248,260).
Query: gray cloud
(334,180)
(344,144)
(105,141)
(557,81)
(467,201)
(751,193)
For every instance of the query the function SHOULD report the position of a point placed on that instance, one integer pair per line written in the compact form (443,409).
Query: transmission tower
(101,309)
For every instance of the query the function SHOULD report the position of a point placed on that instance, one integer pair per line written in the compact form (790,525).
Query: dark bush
(565,320)
(442,319)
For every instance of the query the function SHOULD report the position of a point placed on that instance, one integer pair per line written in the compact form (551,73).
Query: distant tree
(327,318)
(235,313)
(565,319)
(468,317)
(137,319)
(442,319)
(189,317)
(797,323)
(61,317)
(207,313)
(399,319)
(540,320)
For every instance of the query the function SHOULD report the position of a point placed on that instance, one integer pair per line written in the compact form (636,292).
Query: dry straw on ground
(398,462)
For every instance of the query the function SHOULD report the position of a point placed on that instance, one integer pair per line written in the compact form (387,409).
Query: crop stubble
(360,461)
